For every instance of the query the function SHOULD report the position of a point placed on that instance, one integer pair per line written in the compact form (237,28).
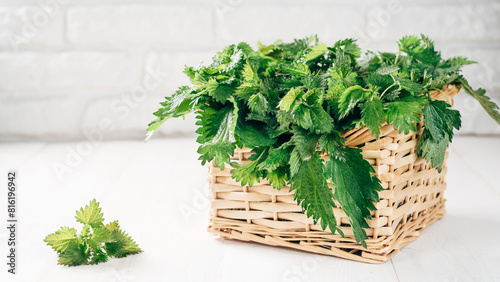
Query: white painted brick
(51,118)
(29,26)
(170,26)
(270,23)
(68,70)
(443,22)
(55,89)
(173,64)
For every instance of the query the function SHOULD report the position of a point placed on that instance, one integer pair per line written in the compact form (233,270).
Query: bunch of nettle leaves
(290,102)
(95,244)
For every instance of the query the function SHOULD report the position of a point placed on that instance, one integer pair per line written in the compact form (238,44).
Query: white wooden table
(157,192)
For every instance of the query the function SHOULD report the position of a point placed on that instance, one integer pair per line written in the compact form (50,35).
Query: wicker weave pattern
(412,199)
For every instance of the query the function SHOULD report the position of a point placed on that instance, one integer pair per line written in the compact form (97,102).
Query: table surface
(158,193)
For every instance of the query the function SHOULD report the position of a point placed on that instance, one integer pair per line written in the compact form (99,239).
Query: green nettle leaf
(297,69)
(440,119)
(91,215)
(312,192)
(112,226)
(403,115)
(410,86)
(277,157)
(246,90)
(277,177)
(220,92)
(258,104)
(122,245)
(316,51)
(342,64)
(219,145)
(254,134)
(355,188)
(433,150)
(98,257)
(313,118)
(249,173)
(452,65)
(289,101)
(75,254)
(330,142)
(387,70)
(373,115)
(295,162)
(249,74)
(442,80)
(61,239)
(95,243)
(349,47)
(305,143)
(182,102)
(101,234)
(409,43)
(350,99)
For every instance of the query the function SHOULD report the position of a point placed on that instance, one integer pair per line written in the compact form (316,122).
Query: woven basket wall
(411,200)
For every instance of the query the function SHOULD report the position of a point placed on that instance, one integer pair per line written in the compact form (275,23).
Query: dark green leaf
(354,187)
(248,173)
(75,254)
(433,150)
(349,99)
(312,192)
(403,115)
(373,116)
(440,120)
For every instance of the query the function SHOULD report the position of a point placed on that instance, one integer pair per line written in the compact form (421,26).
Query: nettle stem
(397,58)
(383,93)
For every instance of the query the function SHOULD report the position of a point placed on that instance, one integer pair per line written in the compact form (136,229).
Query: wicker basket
(411,200)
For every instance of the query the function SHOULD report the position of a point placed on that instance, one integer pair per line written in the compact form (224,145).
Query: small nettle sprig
(290,102)
(95,244)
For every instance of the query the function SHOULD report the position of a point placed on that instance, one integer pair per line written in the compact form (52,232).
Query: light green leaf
(387,70)
(91,215)
(316,51)
(101,234)
(61,239)
(286,103)
(258,104)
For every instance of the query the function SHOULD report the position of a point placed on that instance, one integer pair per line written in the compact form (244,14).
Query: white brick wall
(69,66)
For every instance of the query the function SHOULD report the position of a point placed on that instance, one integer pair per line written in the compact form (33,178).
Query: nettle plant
(290,103)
